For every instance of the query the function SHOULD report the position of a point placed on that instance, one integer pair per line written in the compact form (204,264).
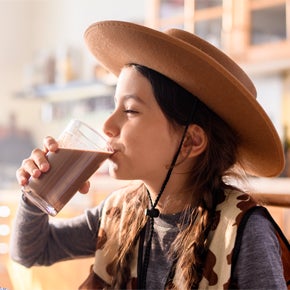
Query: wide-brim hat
(203,70)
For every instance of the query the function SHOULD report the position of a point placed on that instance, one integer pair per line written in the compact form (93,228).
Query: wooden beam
(261,4)
(281,200)
(269,51)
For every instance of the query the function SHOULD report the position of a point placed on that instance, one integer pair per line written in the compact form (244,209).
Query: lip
(109,148)
(114,156)
(114,148)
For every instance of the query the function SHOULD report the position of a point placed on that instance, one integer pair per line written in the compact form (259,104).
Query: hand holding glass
(81,152)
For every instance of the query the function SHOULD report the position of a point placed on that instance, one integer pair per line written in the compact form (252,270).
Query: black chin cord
(153,212)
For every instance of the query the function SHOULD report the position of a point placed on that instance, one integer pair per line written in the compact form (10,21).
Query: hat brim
(117,43)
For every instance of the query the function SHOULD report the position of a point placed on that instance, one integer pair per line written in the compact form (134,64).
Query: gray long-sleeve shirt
(38,241)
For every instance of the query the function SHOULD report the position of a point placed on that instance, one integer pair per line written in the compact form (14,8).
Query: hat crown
(216,54)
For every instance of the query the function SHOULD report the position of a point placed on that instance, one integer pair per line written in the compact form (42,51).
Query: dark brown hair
(207,181)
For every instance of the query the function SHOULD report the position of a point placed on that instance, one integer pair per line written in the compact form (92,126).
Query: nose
(110,127)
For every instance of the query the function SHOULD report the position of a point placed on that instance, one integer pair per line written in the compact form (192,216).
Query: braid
(190,246)
(207,184)
(134,220)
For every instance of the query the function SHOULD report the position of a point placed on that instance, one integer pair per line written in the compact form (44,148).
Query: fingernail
(44,167)
(36,173)
(52,147)
(23,181)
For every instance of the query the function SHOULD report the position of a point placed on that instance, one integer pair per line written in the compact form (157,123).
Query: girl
(185,124)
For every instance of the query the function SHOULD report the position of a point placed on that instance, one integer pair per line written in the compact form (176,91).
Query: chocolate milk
(69,169)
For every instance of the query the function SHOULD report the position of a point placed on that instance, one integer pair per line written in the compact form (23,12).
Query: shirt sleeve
(38,240)
(259,264)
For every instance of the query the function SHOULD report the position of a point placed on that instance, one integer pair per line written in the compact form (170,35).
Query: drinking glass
(81,152)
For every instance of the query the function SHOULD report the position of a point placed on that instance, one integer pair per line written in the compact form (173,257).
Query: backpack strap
(284,243)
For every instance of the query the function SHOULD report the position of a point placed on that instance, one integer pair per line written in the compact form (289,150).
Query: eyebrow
(134,97)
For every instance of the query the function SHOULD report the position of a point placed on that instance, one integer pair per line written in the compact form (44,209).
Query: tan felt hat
(203,70)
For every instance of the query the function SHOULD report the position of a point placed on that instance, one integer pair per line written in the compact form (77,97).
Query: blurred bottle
(286,147)
(64,67)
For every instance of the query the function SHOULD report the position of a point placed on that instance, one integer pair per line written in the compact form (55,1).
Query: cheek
(155,146)
(147,154)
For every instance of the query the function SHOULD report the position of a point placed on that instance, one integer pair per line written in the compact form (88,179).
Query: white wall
(31,27)
(14,50)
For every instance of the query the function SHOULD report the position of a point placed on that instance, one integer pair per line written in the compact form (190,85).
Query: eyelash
(130,112)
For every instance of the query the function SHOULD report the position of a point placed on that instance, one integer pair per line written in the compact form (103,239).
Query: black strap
(240,232)
(140,270)
(239,237)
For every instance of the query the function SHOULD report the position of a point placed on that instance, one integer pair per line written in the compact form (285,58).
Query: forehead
(129,74)
(133,85)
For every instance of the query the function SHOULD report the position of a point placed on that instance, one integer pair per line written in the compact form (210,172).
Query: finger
(50,144)
(35,164)
(85,187)
(22,176)
(37,160)
(29,168)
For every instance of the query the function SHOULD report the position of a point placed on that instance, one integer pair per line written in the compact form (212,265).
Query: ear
(195,141)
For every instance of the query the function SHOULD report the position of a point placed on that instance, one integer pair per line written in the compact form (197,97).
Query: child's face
(138,131)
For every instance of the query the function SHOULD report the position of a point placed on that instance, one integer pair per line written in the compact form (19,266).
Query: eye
(129,111)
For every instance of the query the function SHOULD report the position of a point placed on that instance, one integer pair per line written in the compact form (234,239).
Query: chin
(115,172)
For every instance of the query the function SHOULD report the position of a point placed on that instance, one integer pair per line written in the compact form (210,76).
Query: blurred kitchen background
(47,76)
